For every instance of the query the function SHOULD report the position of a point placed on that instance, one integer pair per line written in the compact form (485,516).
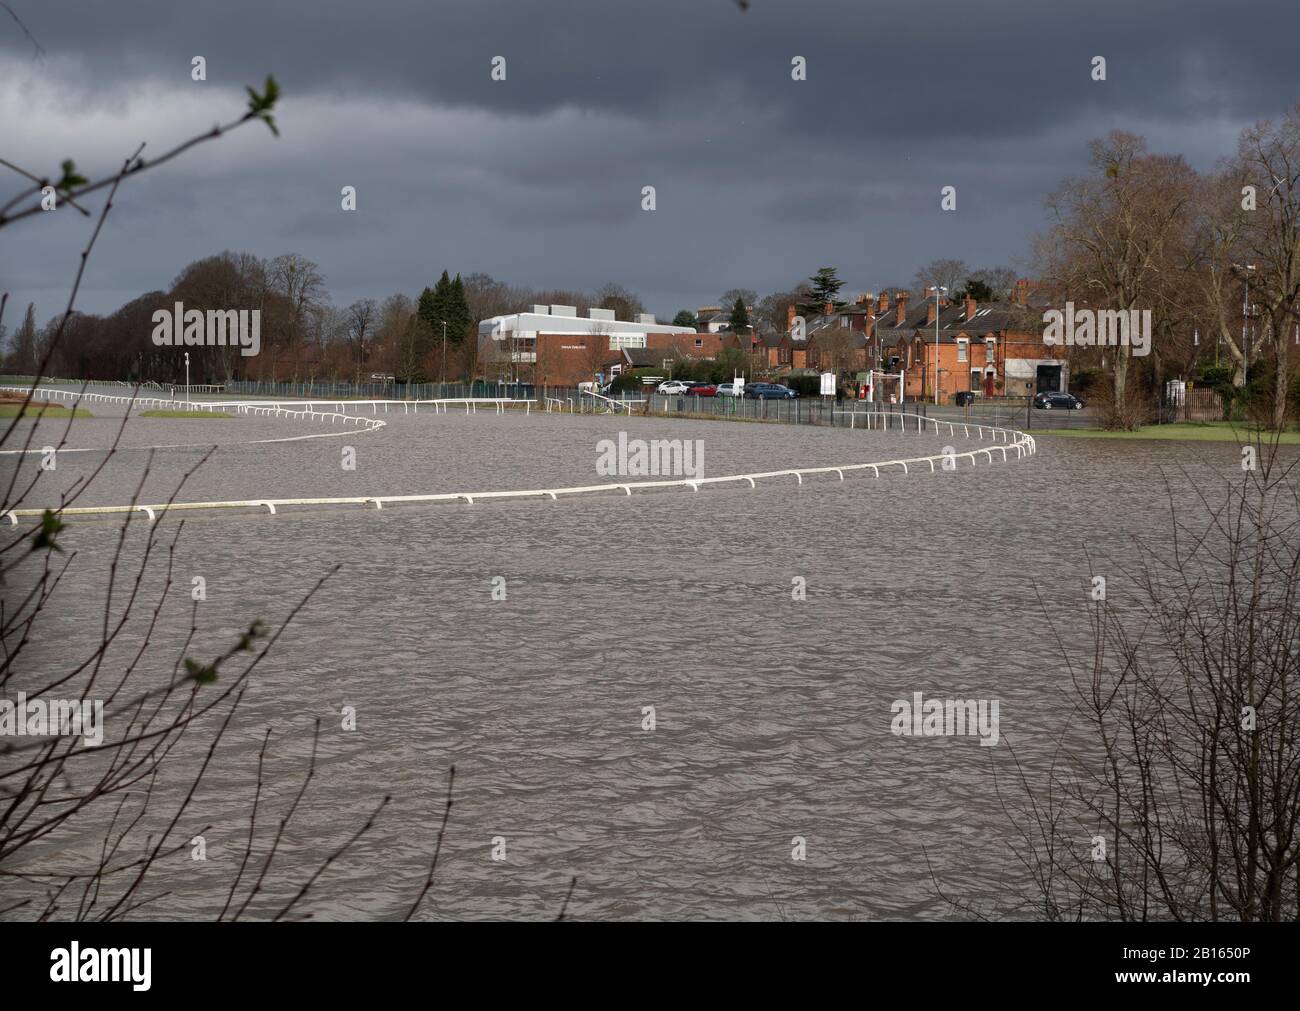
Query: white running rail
(301,409)
(1001,441)
(624,404)
(239,407)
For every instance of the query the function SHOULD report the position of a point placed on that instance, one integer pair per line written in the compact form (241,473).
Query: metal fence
(1190,405)
(364,391)
(1013,413)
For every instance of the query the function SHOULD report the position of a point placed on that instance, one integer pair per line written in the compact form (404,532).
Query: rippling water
(772,714)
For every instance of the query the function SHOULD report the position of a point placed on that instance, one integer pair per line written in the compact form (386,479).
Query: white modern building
(553,344)
(520,330)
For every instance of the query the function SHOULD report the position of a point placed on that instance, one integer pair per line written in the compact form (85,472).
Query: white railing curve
(1010,439)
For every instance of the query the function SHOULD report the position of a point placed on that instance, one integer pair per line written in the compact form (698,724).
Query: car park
(733,388)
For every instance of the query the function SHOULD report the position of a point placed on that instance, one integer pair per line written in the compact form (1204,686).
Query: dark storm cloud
(537,180)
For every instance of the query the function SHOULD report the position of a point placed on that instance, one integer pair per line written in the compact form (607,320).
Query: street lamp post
(187,379)
(937,288)
(444,357)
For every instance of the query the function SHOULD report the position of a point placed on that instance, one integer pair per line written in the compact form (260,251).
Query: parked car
(769,391)
(1058,402)
(702,390)
(673,387)
(731,388)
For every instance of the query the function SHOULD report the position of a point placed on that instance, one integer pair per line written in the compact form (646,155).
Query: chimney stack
(828,309)
(884,303)
(929,311)
(901,317)
(971,306)
(789,317)
(1021,296)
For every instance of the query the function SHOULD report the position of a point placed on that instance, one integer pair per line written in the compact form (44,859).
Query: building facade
(553,346)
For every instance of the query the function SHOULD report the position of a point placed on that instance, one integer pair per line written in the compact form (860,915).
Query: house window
(699,342)
(617,342)
(844,321)
(963,351)
(988,352)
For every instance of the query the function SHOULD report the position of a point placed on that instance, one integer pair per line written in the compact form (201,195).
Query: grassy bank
(46,411)
(184,414)
(1186,431)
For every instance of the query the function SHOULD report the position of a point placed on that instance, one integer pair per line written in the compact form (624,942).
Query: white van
(732,388)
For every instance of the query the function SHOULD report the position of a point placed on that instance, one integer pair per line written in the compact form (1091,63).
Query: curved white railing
(308,409)
(1001,440)
(239,407)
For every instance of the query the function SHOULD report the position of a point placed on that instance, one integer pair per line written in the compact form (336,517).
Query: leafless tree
(1114,238)
(1268,157)
(1183,803)
(951,274)
(56,793)
(360,318)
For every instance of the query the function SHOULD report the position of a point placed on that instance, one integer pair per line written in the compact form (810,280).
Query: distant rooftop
(565,319)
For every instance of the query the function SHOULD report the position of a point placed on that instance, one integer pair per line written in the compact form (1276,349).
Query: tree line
(430,337)
(1215,257)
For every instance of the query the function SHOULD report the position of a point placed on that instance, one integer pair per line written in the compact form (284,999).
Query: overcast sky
(537,180)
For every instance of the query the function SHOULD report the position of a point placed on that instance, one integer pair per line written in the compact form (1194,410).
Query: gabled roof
(647,358)
(855,339)
(989,318)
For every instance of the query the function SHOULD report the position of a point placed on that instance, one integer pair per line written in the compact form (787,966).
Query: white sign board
(828,384)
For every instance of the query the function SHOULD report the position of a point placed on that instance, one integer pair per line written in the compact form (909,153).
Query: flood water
(772,715)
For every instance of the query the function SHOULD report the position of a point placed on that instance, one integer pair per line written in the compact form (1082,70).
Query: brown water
(773,714)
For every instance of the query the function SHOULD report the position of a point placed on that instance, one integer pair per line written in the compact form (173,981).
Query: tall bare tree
(1114,238)
(1268,157)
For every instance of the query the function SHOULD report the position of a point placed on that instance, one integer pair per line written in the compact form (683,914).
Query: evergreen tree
(459,322)
(739,317)
(684,318)
(24,361)
(435,307)
(826,285)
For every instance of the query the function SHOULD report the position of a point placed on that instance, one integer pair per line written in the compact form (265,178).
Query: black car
(768,391)
(1058,402)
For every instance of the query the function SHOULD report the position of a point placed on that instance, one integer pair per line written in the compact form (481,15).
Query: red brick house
(991,350)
